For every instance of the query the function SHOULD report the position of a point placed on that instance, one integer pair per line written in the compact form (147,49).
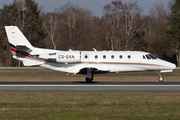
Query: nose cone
(171,66)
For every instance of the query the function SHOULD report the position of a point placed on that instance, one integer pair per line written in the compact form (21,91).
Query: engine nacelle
(68,57)
(65,57)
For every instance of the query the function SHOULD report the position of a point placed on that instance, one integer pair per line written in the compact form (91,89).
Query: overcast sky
(96,6)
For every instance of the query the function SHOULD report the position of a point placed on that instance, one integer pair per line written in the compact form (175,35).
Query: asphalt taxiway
(90,87)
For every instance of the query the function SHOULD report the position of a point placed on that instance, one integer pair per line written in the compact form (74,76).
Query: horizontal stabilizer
(32,63)
(29,62)
(22,47)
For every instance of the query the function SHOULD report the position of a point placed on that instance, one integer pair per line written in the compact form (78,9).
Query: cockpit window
(148,57)
(152,56)
(144,57)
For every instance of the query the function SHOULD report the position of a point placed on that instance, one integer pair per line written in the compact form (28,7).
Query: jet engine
(65,57)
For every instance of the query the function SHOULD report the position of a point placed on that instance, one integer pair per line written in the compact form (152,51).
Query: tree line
(122,27)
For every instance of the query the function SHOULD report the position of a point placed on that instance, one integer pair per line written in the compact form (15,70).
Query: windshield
(152,56)
(149,56)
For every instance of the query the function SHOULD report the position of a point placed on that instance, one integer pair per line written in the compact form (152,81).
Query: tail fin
(16,38)
(21,47)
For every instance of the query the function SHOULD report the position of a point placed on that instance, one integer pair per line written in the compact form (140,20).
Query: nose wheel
(160,76)
(160,79)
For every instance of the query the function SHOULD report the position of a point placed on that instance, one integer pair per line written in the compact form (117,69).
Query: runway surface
(90,87)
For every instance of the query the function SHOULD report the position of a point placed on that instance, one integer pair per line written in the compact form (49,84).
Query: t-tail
(21,48)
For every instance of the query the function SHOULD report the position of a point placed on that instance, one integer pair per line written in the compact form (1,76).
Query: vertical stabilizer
(21,47)
(16,38)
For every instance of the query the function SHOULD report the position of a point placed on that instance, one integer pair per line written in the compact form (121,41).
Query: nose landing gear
(160,76)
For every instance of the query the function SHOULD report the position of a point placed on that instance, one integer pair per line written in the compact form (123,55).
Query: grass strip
(84,106)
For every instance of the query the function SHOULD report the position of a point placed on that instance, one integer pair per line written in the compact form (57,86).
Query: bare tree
(130,24)
(51,27)
(159,13)
(22,16)
(157,23)
(111,24)
(69,19)
(76,24)
(122,23)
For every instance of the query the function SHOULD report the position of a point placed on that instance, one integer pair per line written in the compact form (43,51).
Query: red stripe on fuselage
(124,63)
(21,53)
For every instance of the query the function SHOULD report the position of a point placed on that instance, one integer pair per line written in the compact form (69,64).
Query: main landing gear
(160,76)
(90,76)
(89,80)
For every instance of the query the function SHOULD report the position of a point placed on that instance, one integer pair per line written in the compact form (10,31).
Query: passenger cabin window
(120,57)
(104,56)
(86,57)
(129,57)
(112,56)
(96,57)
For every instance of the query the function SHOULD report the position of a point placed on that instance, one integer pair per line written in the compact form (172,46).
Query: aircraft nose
(171,66)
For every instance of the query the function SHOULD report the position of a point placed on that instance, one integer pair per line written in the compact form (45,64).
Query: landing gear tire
(160,76)
(89,80)
(160,79)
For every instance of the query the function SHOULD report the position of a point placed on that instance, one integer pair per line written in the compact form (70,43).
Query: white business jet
(84,62)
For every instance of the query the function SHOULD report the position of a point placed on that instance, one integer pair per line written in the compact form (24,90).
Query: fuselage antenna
(94,49)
